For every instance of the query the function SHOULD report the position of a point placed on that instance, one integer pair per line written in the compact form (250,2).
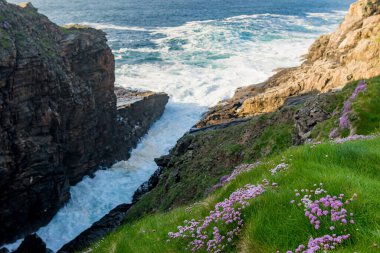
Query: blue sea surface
(199,52)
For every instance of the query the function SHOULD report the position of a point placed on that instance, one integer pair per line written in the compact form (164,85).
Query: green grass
(273,140)
(271,222)
(67,30)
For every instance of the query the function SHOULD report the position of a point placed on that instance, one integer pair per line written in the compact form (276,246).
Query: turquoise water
(198,52)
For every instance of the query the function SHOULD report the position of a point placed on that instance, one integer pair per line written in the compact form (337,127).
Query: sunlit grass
(272,223)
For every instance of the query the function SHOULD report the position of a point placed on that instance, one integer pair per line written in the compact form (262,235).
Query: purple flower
(226,213)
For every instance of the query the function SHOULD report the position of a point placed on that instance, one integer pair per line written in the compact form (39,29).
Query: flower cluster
(241,169)
(324,210)
(354,138)
(237,171)
(325,243)
(205,234)
(280,167)
(344,121)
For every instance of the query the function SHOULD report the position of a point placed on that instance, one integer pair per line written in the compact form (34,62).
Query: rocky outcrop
(314,111)
(136,111)
(59,119)
(350,53)
(148,185)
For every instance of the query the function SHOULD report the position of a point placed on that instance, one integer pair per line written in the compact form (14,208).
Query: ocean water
(199,52)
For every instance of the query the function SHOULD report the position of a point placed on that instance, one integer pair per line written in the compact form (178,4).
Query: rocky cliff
(137,110)
(58,115)
(350,53)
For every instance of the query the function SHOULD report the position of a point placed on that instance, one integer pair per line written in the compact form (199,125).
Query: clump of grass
(234,149)
(366,110)
(66,30)
(273,140)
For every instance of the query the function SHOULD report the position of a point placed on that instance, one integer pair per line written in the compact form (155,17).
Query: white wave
(103,26)
(335,15)
(142,50)
(213,59)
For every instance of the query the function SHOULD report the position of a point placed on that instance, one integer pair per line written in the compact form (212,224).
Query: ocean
(197,51)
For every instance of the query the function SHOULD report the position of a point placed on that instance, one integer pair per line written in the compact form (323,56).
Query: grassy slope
(271,222)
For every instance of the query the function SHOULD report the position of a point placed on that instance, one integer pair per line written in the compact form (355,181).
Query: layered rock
(136,110)
(58,115)
(350,53)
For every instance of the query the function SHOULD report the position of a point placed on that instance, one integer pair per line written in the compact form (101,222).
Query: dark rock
(4,250)
(312,113)
(147,186)
(32,244)
(59,119)
(98,230)
(182,146)
(163,161)
(136,112)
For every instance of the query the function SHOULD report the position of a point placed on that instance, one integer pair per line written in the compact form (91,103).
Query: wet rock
(4,250)
(147,186)
(163,160)
(32,244)
(98,230)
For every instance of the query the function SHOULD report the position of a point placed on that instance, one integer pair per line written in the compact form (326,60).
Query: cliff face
(350,53)
(137,110)
(58,115)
